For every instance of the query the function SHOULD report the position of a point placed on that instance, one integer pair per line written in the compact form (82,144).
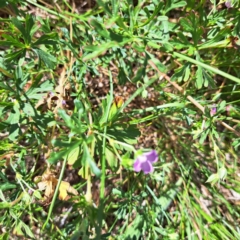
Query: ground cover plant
(119,119)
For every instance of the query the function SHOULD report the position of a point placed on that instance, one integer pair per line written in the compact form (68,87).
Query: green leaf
(142,70)
(35,92)
(105,103)
(144,93)
(218,41)
(159,65)
(4,205)
(191,24)
(204,135)
(3,126)
(139,75)
(153,44)
(124,133)
(206,66)
(47,58)
(100,29)
(111,158)
(187,72)
(6,87)
(99,50)
(122,77)
(5,236)
(127,162)
(66,118)
(208,80)
(104,6)
(222,172)
(47,39)
(222,106)
(14,117)
(213,178)
(182,73)
(13,120)
(73,156)
(15,55)
(11,41)
(29,110)
(183,38)
(21,28)
(55,157)
(115,8)
(87,158)
(134,231)
(199,78)
(37,194)
(175,4)
(14,132)
(120,23)
(7,186)
(166,46)
(29,23)
(155,13)
(165,33)
(113,111)
(186,24)
(115,191)
(27,230)
(25,30)
(19,76)
(120,38)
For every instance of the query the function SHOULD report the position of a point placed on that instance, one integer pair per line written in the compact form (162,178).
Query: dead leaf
(64,188)
(49,182)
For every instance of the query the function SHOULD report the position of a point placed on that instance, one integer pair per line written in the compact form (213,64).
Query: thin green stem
(56,190)
(5,72)
(104,141)
(155,109)
(210,68)
(103,164)
(47,9)
(65,14)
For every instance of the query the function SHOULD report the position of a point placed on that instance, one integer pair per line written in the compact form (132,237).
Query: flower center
(143,158)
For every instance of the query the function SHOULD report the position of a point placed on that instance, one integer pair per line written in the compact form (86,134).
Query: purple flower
(228,108)
(213,110)
(30,191)
(145,161)
(228,3)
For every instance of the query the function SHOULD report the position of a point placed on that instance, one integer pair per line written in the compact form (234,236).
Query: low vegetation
(119,119)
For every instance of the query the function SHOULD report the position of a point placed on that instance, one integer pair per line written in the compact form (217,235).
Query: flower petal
(228,4)
(137,165)
(151,156)
(147,167)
